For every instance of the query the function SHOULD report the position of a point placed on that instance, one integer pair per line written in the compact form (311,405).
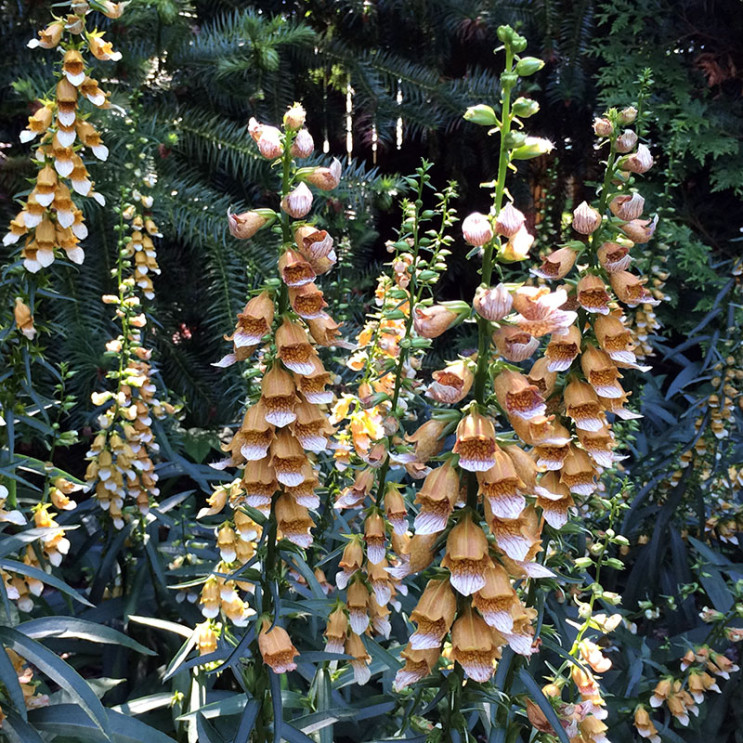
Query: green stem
(483,326)
(604,199)
(414,296)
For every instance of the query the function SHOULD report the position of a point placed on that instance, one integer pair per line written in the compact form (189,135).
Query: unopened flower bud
(628,115)
(509,220)
(528,66)
(268,139)
(640,162)
(326,179)
(477,229)
(303,144)
(298,202)
(431,322)
(294,118)
(586,219)
(533,147)
(626,141)
(602,127)
(627,206)
(493,303)
(244,226)
(482,115)
(525,107)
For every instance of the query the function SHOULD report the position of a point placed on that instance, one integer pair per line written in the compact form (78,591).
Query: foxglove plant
(286,427)
(529,442)
(390,348)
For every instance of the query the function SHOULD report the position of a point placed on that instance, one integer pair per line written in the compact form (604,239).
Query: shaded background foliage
(410,69)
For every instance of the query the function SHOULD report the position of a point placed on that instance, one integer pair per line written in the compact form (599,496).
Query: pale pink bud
(477,229)
(640,230)
(326,179)
(640,162)
(626,141)
(431,322)
(298,202)
(602,127)
(509,220)
(303,144)
(628,115)
(627,206)
(245,225)
(268,139)
(586,219)
(493,303)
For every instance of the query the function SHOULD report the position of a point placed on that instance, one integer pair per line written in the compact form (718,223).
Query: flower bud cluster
(121,468)
(50,222)
(53,545)
(287,427)
(26,682)
(702,667)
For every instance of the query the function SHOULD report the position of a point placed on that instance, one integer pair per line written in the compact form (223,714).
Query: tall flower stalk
(286,428)
(121,470)
(528,442)
(390,348)
(50,222)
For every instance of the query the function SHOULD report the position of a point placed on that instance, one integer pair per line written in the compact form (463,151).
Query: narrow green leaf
(17,729)
(232,704)
(60,672)
(141,705)
(82,629)
(179,657)
(207,732)
(9,679)
(535,692)
(247,721)
(293,735)
(164,624)
(276,703)
(69,721)
(324,698)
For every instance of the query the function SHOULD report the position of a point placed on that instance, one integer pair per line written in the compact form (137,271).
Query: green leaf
(9,679)
(535,692)
(18,730)
(70,721)
(247,721)
(144,704)
(164,624)
(31,572)
(293,735)
(229,705)
(324,697)
(180,656)
(82,629)
(207,732)
(276,703)
(60,672)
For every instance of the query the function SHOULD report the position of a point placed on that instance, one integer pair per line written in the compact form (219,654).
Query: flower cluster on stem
(50,222)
